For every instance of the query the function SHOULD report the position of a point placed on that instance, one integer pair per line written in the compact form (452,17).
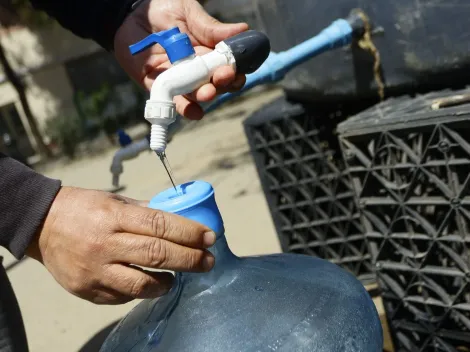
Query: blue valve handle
(176,44)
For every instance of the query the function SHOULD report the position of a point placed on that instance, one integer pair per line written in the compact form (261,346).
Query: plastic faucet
(245,52)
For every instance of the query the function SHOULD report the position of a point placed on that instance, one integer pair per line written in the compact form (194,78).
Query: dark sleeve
(91,19)
(25,199)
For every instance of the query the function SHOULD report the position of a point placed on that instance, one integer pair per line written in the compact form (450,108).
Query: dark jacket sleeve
(25,199)
(91,19)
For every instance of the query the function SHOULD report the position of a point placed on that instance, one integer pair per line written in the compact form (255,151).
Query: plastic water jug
(282,302)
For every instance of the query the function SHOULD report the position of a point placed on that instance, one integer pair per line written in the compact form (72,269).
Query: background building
(65,77)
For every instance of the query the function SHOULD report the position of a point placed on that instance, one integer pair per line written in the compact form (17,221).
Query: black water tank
(234,11)
(425,46)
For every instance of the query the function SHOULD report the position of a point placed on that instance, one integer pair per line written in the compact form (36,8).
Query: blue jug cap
(124,138)
(176,44)
(186,196)
(194,200)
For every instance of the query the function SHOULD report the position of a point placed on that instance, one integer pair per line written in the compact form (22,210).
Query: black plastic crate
(298,160)
(410,167)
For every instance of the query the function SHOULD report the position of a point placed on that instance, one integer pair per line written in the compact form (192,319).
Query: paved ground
(214,150)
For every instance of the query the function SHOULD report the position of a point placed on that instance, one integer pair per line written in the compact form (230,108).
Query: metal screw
(348,154)
(444,146)
(455,202)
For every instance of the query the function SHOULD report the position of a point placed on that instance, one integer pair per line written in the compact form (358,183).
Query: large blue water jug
(282,302)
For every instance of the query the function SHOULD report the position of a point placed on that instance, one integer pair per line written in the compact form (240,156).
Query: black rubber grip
(250,49)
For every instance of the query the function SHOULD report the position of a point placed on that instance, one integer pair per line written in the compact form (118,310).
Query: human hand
(91,242)
(205,32)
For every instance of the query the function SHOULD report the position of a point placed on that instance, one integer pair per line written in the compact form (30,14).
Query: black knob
(250,49)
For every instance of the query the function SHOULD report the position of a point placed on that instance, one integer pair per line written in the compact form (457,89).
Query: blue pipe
(277,65)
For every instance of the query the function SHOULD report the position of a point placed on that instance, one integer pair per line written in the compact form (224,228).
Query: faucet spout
(184,77)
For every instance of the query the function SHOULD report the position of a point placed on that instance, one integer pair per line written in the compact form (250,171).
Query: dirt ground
(213,150)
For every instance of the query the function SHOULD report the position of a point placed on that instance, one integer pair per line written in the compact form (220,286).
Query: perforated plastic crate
(410,166)
(299,163)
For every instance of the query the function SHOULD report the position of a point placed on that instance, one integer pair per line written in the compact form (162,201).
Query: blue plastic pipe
(277,65)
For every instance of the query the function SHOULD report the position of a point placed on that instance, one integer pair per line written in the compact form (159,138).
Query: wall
(50,93)
(32,50)
(39,56)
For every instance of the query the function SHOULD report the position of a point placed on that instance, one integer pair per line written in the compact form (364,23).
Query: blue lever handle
(176,44)
(152,39)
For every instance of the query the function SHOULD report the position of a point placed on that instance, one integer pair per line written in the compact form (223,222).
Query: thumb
(207,30)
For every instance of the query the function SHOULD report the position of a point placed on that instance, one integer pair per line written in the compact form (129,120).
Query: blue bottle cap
(194,200)
(176,44)
(186,196)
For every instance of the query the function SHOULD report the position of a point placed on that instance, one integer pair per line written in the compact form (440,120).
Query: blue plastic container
(282,302)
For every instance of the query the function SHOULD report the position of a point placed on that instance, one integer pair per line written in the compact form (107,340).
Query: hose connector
(160,114)
(158,137)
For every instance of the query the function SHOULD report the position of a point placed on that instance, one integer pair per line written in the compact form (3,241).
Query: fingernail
(208,262)
(209,239)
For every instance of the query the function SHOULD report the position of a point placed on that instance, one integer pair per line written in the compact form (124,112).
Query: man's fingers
(155,223)
(188,108)
(224,81)
(109,296)
(205,93)
(155,253)
(137,283)
(224,77)
(234,87)
(206,29)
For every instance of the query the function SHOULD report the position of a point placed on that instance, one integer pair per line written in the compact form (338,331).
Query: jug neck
(196,201)
(222,252)
(208,214)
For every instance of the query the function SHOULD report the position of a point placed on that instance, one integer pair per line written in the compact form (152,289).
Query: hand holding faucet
(112,224)
(204,32)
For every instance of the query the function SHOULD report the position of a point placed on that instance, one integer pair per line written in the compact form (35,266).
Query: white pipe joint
(184,77)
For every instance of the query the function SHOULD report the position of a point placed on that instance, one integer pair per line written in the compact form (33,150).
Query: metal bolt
(348,154)
(444,146)
(455,202)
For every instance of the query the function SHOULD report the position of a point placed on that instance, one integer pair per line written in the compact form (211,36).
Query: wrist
(38,245)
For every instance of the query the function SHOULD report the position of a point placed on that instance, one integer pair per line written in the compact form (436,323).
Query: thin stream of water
(166,165)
